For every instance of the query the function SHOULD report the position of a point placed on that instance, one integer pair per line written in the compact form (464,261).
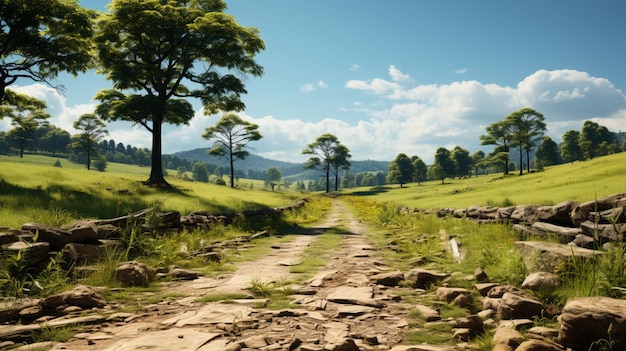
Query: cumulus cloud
(404,116)
(461,71)
(355,67)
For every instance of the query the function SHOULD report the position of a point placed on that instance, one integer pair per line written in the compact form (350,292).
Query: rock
(583,211)
(422,278)
(84,231)
(133,273)
(586,320)
(462,334)
(354,295)
(32,253)
(514,307)
(471,322)
(480,274)
(56,237)
(502,347)
(9,237)
(558,214)
(545,256)
(429,314)
(499,290)
(603,232)
(82,252)
(462,301)
(525,213)
(449,294)
(542,332)
(344,345)
(82,296)
(109,231)
(178,273)
(483,288)
(538,345)
(504,213)
(387,279)
(543,282)
(508,336)
(587,242)
(517,324)
(564,234)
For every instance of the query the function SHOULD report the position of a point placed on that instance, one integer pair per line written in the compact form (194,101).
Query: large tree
(547,153)
(324,154)
(463,161)
(420,170)
(26,116)
(444,164)
(526,127)
(232,135)
(161,53)
(401,170)
(592,136)
(93,131)
(41,38)
(341,160)
(499,134)
(570,147)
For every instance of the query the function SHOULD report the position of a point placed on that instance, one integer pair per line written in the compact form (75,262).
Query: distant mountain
(258,163)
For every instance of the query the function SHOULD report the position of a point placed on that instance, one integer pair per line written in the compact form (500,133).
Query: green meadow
(580,181)
(33,190)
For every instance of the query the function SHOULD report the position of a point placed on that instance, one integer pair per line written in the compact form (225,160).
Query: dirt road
(340,308)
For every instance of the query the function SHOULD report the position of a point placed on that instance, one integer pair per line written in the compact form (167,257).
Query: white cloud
(403,117)
(355,67)
(309,87)
(461,71)
(398,76)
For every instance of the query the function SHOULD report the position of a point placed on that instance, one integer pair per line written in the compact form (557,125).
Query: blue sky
(403,75)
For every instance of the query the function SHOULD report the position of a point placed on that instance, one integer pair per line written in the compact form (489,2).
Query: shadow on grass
(372,191)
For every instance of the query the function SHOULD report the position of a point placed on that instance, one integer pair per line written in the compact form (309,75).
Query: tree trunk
(528,160)
(521,161)
(156,172)
(232,170)
(88,155)
(327,178)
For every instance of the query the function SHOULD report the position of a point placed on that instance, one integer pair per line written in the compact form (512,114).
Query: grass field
(32,189)
(581,181)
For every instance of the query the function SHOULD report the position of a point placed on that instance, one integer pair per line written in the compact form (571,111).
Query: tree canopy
(526,127)
(401,170)
(41,38)
(327,152)
(232,135)
(498,134)
(161,53)
(93,130)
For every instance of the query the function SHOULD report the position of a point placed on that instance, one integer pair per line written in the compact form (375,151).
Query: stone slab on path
(214,313)
(354,296)
(180,339)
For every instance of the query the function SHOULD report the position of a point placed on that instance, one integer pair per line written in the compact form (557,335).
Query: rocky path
(340,308)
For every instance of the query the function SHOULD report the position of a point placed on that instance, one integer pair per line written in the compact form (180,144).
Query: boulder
(388,279)
(505,213)
(589,319)
(544,282)
(483,288)
(82,252)
(472,322)
(32,253)
(538,345)
(84,231)
(133,273)
(545,256)
(604,232)
(422,278)
(449,294)
(508,336)
(583,211)
(525,214)
(499,290)
(10,236)
(513,306)
(178,273)
(429,314)
(558,214)
(584,241)
(564,234)
(82,296)
(56,237)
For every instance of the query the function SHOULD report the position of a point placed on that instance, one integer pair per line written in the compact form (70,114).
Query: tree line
(521,132)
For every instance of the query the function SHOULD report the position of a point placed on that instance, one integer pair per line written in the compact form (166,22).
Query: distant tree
(591,138)
(232,135)
(347,180)
(142,156)
(199,172)
(401,170)
(446,166)
(161,53)
(499,134)
(100,163)
(273,177)
(479,162)
(381,177)
(52,139)
(420,170)
(500,160)
(93,130)
(340,161)
(26,117)
(324,155)
(180,172)
(42,38)
(547,153)
(462,160)
(526,127)
(570,147)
